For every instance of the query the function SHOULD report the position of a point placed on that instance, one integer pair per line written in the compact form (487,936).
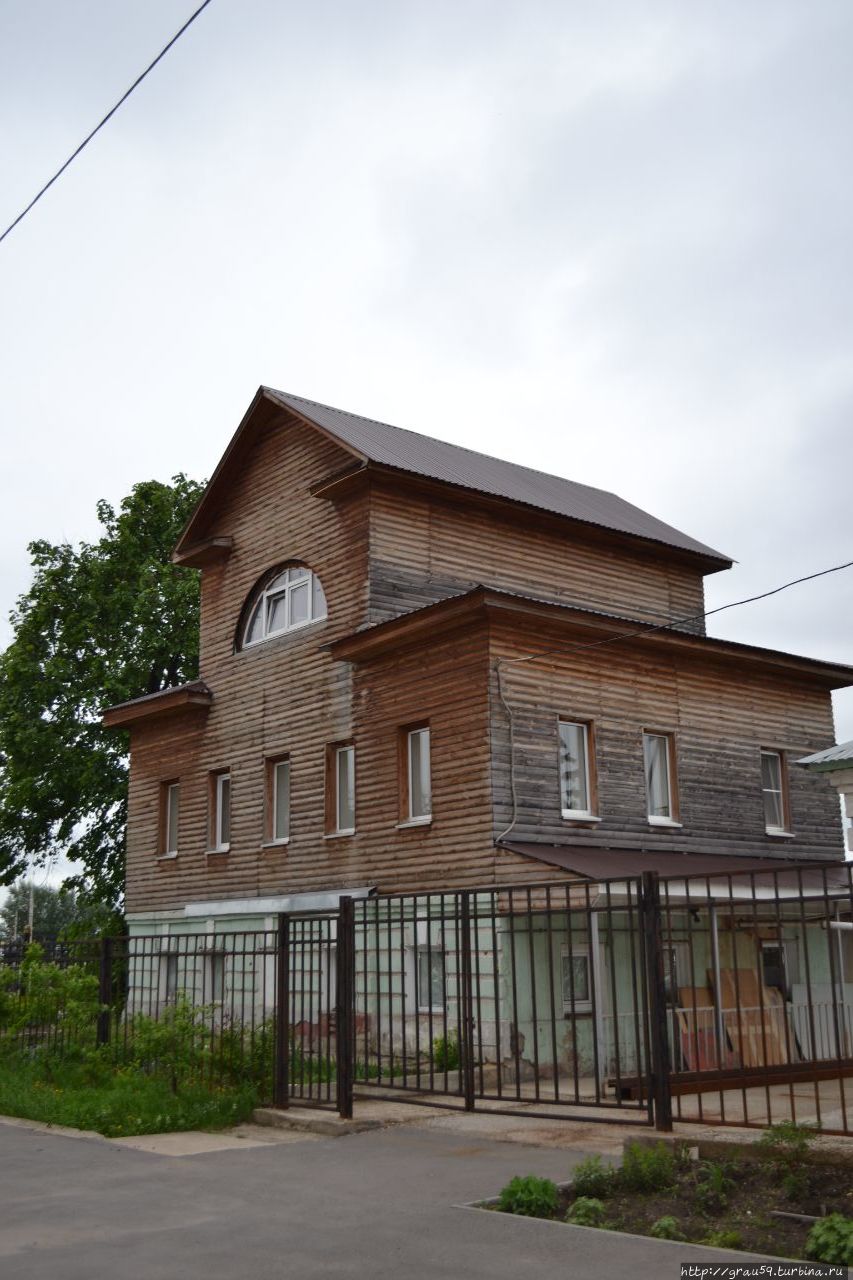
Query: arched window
(293,598)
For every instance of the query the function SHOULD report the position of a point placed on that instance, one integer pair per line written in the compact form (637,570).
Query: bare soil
(757,1189)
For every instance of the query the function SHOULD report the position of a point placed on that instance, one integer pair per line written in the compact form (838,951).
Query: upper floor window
(417,789)
(220,811)
(660,788)
(576,779)
(340,789)
(774,791)
(293,598)
(170,802)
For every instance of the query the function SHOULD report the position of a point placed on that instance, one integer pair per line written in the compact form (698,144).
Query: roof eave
(194,697)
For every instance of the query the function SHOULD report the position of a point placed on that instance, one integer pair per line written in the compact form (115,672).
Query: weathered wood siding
(286,695)
(720,713)
(423,549)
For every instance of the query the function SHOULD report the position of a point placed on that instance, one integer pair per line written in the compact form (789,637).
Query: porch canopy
(717,873)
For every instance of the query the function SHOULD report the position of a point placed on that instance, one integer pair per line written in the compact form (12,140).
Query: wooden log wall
(720,713)
(423,549)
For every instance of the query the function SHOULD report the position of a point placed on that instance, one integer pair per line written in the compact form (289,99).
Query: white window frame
(275,765)
(427,950)
(422,732)
(212,959)
(170,791)
(658,820)
(580,1006)
(564,809)
(285,583)
(219,779)
(770,828)
(347,749)
(168,965)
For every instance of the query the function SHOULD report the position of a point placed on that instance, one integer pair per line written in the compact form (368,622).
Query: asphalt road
(383,1205)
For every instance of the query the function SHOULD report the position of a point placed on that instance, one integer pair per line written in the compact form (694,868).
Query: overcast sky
(609,240)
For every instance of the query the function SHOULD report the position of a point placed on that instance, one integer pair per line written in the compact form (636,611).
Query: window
(417,802)
(170,802)
(293,599)
(774,793)
(278,800)
(169,970)
(576,980)
(340,789)
(220,833)
(657,757)
(430,979)
(576,798)
(216,977)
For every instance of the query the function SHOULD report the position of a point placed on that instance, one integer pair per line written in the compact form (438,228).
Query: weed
(831,1240)
(531,1197)
(647,1168)
(712,1191)
(666,1228)
(592,1178)
(724,1239)
(586,1212)
(445,1053)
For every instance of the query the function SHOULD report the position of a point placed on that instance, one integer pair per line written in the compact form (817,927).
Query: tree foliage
(101,623)
(54,910)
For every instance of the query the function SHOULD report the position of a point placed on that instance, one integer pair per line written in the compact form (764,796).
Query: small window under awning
(627,864)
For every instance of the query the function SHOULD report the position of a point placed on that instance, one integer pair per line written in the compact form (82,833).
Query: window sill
(339,835)
(664,822)
(426,821)
(572,815)
(223,848)
(437,1011)
(276,844)
(776,833)
(166,857)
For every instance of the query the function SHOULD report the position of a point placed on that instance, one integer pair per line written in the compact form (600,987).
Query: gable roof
(401,450)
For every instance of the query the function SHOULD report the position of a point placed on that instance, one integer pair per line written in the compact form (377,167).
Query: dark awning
(619,864)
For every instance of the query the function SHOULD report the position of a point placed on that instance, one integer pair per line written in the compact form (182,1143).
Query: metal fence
(723,999)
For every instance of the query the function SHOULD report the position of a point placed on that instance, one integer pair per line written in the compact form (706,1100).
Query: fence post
(281,1069)
(105,990)
(659,1043)
(345,1006)
(466,1047)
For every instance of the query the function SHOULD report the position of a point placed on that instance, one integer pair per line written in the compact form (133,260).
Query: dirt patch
(753,1193)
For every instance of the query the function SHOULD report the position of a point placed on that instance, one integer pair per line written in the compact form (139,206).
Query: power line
(108,116)
(677,622)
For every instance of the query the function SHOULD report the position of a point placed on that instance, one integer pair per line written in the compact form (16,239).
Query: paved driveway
(378,1205)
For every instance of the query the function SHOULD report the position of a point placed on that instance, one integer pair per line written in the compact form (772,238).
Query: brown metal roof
(404,450)
(626,864)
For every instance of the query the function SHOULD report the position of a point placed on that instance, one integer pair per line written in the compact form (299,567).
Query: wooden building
(424,668)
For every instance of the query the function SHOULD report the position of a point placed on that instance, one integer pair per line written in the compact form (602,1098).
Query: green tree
(54,910)
(101,623)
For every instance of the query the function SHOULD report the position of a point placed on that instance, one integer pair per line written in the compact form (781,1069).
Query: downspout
(511,722)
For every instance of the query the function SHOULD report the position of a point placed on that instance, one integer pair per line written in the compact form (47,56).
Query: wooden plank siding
(720,715)
(381,550)
(423,549)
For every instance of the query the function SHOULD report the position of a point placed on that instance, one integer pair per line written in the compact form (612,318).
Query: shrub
(531,1197)
(586,1212)
(724,1239)
(795,1184)
(666,1228)
(647,1168)
(445,1053)
(831,1240)
(592,1178)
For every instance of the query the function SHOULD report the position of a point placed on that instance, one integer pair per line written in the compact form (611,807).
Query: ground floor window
(430,979)
(577,980)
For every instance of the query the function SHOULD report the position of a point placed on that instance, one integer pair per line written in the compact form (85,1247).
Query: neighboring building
(423,668)
(836,764)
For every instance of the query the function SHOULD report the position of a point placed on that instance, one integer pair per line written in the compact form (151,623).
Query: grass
(119,1104)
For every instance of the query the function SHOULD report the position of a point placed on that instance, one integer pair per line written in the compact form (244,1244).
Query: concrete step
(308,1120)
